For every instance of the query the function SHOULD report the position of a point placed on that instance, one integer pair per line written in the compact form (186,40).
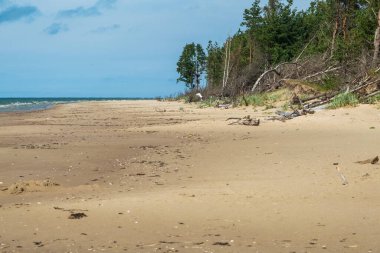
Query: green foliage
(255,100)
(343,100)
(279,30)
(338,31)
(285,106)
(191,65)
(329,83)
(282,32)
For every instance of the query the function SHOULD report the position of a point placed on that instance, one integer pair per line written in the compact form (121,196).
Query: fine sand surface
(148,176)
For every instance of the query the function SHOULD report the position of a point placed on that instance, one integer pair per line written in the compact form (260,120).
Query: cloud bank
(15,13)
(56,28)
(81,11)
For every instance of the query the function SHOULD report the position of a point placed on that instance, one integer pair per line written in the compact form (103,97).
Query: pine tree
(214,65)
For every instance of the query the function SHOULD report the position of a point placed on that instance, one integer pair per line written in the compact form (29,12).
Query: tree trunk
(345,28)
(336,27)
(228,63)
(376,42)
(225,64)
(334,37)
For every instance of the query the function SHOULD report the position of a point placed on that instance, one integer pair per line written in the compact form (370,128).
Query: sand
(149,176)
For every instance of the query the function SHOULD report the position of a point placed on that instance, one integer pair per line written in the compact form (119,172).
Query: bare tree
(227,62)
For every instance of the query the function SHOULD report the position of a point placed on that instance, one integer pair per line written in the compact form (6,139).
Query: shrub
(330,83)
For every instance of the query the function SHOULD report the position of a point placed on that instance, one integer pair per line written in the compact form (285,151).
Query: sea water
(35,104)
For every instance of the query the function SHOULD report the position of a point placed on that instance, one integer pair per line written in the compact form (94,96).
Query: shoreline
(156,176)
(53,102)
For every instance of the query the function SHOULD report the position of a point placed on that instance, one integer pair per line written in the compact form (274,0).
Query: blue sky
(105,48)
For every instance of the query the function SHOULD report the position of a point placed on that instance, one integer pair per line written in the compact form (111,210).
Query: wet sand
(148,176)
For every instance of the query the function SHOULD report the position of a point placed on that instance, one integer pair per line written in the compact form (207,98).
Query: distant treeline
(340,37)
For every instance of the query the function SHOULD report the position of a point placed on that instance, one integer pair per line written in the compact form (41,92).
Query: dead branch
(323,96)
(275,70)
(372,94)
(362,84)
(329,69)
(307,45)
(366,84)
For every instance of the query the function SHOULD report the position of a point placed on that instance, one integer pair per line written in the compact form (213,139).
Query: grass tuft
(344,100)
(264,99)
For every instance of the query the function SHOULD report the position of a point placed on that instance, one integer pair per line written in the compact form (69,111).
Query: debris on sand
(222,244)
(77,216)
(70,210)
(283,116)
(370,161)
(38,244)
(375,160)
(30,186)
(223,106)
(245,121)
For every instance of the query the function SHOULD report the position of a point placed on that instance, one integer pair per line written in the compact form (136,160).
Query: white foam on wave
(15,106)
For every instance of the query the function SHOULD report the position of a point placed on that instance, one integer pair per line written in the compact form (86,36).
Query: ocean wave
(18,104)
(27,106)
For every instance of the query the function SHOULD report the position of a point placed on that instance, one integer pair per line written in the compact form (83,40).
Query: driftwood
(321,100)
(359,90)
(223,106)
(245,121)
(313,98)
(283,116)
(310,103)
(363,86)
(370,161)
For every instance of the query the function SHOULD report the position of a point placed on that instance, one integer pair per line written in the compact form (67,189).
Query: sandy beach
(149,176)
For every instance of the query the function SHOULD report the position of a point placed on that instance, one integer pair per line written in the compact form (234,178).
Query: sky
(106,48)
